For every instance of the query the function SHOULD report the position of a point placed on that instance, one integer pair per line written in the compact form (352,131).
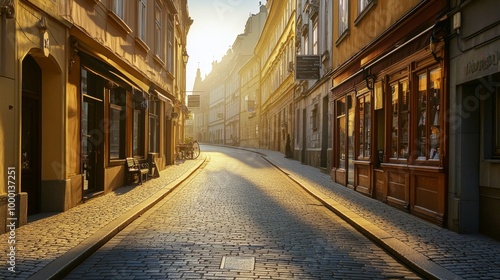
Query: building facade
(390,98)
(474,56)
(313,38)
(250,109)
(275,51)
(86,91)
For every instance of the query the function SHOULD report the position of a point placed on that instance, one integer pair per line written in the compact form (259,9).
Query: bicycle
(190,150)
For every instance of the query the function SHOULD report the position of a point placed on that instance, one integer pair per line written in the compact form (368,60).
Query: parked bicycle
(189,150)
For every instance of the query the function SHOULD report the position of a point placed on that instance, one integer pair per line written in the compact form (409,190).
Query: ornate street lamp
(185,57)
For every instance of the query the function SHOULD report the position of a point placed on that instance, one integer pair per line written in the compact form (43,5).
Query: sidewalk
(50,246)
(433,251)
(54,244)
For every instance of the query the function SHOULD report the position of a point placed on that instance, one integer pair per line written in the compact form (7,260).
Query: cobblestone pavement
(40,242)
(48,241)
(470,256)
(240,218)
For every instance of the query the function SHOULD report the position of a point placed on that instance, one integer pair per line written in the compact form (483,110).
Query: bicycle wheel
(196,149)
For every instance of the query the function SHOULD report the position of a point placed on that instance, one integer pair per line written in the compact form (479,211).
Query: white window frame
(118,7)
(159,49)
(343,16)
(315,38)
(141,21)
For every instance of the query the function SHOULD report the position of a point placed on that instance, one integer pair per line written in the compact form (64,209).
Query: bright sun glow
(216,25)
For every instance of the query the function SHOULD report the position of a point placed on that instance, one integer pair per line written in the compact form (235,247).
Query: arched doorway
(31,133)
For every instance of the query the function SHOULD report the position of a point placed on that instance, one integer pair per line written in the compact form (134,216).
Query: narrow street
(239,218)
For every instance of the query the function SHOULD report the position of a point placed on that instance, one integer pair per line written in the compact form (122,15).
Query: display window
(428,142)
(399,120)
(364,126)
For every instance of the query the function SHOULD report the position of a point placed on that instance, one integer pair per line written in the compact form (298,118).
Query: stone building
(87,85)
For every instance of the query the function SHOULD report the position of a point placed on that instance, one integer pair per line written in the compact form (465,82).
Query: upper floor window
(363,4)
(141,21)
(158,31)
(170,47)
(118,8)
(343,16)
(315,35)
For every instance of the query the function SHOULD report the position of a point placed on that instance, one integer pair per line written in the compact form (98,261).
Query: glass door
(92,129)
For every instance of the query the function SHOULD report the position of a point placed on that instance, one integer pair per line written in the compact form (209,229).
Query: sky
(215,27)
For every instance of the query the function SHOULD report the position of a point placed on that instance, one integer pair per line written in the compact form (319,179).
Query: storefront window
(496,151)
(400,111)
(364,116)
(428,109)
(138,132)
(154,126)
(341,124)
(117,123)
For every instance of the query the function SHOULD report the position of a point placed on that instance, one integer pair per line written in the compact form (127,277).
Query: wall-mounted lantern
(185,57)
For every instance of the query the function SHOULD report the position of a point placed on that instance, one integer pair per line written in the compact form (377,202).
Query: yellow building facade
(88,84)
(275,50)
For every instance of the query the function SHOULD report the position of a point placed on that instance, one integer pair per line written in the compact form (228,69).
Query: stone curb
(417,261)
(61,266)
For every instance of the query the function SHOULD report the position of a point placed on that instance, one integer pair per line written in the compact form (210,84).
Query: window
(154,126)
(138,129)
(400,111)
(428,115)
(158,31)
(364,116)
(343,16)
(306,43)
(118,8)
(170,47)
(496,148)
(314,118)
(341,124)
(141,24)
(117,97)
(362,5)
(315,43)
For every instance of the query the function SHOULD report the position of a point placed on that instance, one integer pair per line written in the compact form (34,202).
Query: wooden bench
(135,168)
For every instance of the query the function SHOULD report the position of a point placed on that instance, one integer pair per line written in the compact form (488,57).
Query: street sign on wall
(194,101)
(307,67)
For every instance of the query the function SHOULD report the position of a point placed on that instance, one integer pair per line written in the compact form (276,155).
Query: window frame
(496,124)
(341,119)
(154,129)
(118,7)
(343,17)
(364,125)
(431,125)
(170,46)
(315,38)
(141,19)
(399,154)
(158,25)
(117,104)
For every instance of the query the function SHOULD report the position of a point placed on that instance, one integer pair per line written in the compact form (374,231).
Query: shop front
(390,136)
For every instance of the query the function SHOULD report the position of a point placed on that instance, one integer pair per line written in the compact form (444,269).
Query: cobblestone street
(240,218)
